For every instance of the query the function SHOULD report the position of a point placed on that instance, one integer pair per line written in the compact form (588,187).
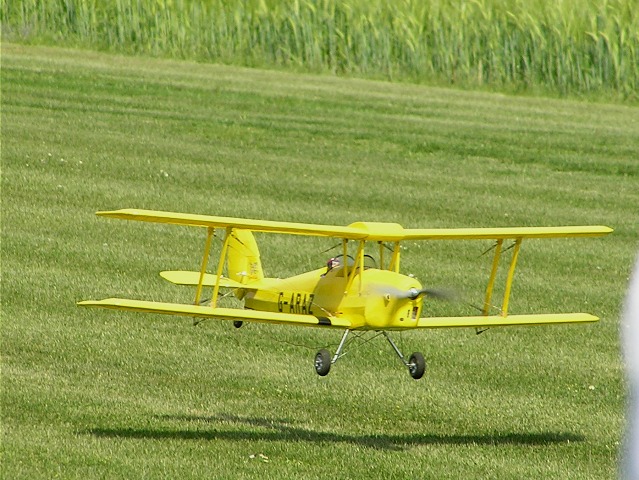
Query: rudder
(244,264)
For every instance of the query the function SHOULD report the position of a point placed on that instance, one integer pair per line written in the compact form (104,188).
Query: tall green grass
(569,46)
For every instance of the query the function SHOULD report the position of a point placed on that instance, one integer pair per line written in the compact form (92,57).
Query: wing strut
(220,266)
(205,261)
(509,277)
(394,264)
(359,263)
(493,275)
(345,255)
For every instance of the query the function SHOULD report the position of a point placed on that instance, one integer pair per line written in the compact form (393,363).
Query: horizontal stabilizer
(193,279)
(510,320)
(202,311)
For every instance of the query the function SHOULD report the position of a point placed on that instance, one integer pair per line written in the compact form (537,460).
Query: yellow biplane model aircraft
(351,293)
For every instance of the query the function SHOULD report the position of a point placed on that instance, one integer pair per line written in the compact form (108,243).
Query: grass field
(102,394)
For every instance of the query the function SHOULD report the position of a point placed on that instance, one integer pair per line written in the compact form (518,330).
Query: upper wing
(482,321)
(242,223)
(202,311)
(505,233)
(391,232)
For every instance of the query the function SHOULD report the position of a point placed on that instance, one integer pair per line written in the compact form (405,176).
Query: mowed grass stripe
(89,393)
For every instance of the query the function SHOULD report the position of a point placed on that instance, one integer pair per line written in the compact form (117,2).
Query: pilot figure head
(332,263)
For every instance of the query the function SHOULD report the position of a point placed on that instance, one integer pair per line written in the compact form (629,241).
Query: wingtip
(97,303)
(600,230)
(114,213)
(87,303)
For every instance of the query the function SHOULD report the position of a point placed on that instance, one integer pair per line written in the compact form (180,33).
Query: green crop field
(568,48)
(104,394)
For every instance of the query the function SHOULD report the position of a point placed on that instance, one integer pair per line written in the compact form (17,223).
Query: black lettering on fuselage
(311,296)
(300,303)
(280,302)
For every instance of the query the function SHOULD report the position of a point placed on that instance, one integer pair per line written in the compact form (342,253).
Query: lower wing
(510,320)
(202,311)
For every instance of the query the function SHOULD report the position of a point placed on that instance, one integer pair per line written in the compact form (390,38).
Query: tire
(416,365)
(238,323)
(323,362)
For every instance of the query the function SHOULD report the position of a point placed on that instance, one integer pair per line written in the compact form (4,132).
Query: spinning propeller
(414,293)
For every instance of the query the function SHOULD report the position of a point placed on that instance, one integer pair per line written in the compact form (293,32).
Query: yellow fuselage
(370,298)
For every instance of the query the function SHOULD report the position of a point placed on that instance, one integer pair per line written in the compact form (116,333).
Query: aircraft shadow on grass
(280,430)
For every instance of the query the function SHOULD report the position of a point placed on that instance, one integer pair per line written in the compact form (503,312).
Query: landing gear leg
(323,360)
(416,364)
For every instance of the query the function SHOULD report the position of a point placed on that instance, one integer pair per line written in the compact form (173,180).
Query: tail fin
(244,265)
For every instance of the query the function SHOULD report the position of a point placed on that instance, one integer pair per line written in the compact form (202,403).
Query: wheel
(238,323)
(323,362)
(416,365)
